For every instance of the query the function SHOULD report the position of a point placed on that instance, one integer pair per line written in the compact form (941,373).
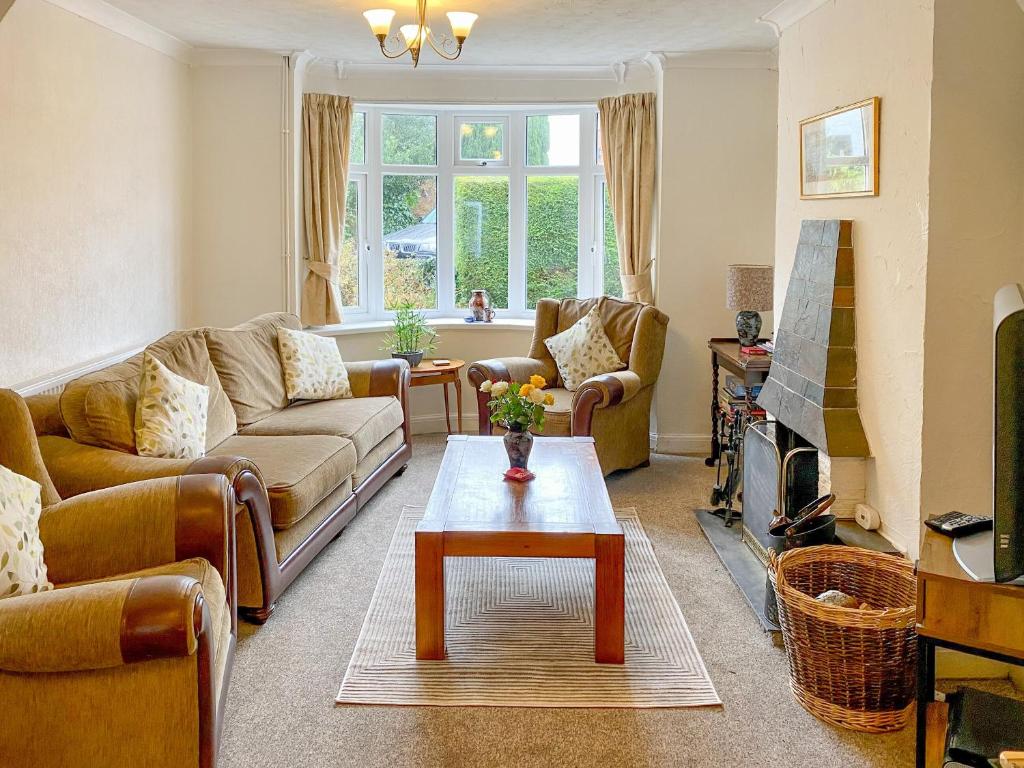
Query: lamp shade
(750,287)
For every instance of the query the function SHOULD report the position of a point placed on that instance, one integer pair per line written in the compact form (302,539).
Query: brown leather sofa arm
(140,525)
(603,391)
(250,493)
(393,377)
(102,625)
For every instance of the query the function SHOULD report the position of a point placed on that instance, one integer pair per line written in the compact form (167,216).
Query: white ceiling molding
(789,12)
(712,60)
(618,72)
(126,25)
(237,57)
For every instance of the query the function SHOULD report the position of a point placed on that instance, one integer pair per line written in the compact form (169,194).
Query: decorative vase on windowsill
(518,408)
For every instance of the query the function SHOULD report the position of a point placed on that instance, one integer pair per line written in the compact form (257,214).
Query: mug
(488,315)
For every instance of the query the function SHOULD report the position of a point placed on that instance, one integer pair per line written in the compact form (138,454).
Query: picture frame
(839,152)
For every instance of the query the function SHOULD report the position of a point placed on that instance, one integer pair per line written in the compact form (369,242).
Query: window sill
(440,323)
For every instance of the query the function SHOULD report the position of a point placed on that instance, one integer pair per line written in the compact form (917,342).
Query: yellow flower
(549,399)
(538,381)
(526,389)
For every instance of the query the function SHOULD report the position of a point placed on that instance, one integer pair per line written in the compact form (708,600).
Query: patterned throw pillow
(313,368)
(22,570)
(583,350)
(170,415)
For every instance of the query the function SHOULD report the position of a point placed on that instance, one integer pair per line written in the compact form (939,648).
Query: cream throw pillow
(313,368)
(22,570)
(170,415)
(583,350)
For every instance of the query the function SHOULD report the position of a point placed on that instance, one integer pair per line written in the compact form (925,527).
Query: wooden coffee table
(564,512)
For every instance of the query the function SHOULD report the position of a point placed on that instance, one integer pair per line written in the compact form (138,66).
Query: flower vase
(518,444)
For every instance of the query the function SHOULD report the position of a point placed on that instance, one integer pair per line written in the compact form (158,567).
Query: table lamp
(749,290)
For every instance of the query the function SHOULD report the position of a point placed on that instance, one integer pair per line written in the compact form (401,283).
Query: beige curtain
(326,122)
(628,138)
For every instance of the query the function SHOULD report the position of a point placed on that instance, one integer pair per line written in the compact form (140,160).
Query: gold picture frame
(839,152)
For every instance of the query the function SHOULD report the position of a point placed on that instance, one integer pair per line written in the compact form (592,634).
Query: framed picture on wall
(839,152)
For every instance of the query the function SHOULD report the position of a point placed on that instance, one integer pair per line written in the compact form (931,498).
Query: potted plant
(410,337)
(518,408)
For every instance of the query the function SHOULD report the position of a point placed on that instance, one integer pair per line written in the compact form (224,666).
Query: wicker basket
(848,667)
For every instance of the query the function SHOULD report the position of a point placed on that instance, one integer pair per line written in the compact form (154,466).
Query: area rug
(519,632)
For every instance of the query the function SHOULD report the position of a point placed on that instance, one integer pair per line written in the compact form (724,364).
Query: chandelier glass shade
(415,37)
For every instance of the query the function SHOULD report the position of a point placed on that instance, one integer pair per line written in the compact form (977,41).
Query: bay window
(446,200)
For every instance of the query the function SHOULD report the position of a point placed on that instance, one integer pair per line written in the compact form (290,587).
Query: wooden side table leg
(429,595)
(447,414)
(458,399)
(610,599)
(925,695)
(716,447)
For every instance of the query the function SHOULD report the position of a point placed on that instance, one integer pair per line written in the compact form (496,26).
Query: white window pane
(349,261)
(552,237)
(481,238)
(408,139)
(357,139)
(612,281)
(409,220)
(553,140)
(482,141)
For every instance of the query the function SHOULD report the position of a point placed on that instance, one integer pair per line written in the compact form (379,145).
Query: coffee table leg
(610,599)
(429,595)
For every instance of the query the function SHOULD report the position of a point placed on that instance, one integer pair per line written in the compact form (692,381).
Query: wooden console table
(752,369)
(426,373)
(954,611)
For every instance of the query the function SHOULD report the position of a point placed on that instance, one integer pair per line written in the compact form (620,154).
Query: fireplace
(811,390)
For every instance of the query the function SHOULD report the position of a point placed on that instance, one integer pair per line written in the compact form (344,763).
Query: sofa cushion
(171,413)
(249,366)
(617,317)
(558,416)
(366,421)
(583,350)
(313,368)
(185,353)
(99,408)
(377,456)
(299,470)
(22,568)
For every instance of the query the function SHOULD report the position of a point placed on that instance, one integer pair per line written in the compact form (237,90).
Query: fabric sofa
(139,633)
(302,469)
(613,408)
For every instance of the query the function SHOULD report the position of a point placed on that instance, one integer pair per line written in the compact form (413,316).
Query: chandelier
(417,35)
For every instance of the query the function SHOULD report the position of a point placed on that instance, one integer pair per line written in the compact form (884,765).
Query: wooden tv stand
(955,611)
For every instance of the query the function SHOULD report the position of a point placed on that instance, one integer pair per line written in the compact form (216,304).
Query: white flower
(499,388)
(486,386)
(536,396)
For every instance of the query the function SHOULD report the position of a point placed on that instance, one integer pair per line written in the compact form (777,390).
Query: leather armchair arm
(603,391)
(518,369)
(102,625)
(139,525)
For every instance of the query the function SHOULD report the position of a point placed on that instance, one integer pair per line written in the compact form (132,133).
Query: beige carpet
(281,710)
(520,633)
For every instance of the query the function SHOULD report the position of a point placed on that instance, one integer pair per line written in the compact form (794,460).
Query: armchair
(613,408)
(127,660)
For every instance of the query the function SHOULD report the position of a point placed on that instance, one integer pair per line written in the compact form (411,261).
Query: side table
(427,373)
(752,369)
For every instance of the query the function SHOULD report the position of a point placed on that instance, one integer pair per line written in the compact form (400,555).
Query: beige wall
(95,192)
(716,190)
(238,263)
(976,240)
(843,52)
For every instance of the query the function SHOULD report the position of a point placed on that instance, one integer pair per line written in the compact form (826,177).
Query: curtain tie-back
(329,272)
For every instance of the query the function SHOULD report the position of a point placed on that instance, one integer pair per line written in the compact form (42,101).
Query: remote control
(956,524)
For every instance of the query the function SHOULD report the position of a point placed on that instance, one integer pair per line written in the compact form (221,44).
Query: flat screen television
(999,555)
(1008,455)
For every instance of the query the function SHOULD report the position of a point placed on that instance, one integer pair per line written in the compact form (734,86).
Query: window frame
(371,173)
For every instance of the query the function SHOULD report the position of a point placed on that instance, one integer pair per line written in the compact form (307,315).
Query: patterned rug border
(415,512)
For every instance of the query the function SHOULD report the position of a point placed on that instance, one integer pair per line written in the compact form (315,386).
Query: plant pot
(518,444)
(413,358)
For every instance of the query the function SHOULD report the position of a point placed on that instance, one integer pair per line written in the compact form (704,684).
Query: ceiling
(509,32)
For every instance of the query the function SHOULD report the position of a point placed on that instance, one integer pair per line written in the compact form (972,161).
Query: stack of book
(733,394)
(764,348)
